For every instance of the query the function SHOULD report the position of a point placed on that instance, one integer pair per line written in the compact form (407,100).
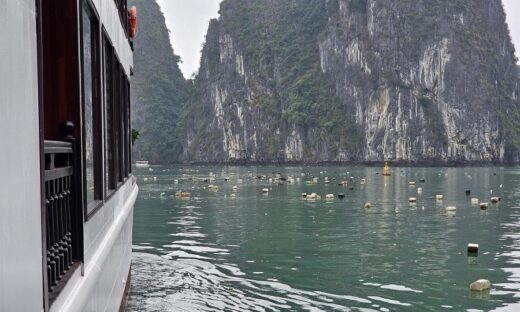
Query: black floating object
(495,174)
(341,196)
(473,249)
(351,188)
(422,180)
(468,192)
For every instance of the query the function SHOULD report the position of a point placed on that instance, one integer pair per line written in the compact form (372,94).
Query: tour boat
(142,164)
(66,190)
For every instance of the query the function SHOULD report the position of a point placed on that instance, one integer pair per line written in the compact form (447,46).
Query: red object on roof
(132,21)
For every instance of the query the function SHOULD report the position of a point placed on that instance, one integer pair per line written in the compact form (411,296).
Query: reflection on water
(250,251)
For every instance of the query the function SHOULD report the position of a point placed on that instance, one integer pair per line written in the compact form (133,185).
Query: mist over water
(278,252)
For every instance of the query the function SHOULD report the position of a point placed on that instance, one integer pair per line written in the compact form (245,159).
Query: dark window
(117,119)
(122,126)
(109,115)
(91,107)
(128,131)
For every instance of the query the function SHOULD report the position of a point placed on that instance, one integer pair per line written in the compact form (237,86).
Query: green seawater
(279,252)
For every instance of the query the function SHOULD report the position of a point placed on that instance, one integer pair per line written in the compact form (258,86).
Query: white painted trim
(75,297)
(109,18)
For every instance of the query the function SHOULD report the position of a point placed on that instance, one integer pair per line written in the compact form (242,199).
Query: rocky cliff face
(159,91)
(423,79)
(355,80)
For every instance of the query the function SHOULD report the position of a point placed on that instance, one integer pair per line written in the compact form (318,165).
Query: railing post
(75,211)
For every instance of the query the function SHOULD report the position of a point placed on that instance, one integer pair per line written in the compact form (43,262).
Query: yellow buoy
(386,170)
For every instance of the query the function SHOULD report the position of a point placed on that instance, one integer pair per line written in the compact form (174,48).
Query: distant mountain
(332,80)
(159,91)
(355,80)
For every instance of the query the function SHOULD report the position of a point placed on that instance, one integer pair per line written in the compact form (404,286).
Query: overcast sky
(188,23)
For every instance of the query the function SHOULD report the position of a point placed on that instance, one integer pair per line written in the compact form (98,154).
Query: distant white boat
(142,164)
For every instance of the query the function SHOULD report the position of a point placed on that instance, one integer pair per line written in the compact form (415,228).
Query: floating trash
(480,285)
(439,197)
(451,208)
(473,248)
(368,205)
(474,201)
(484,206)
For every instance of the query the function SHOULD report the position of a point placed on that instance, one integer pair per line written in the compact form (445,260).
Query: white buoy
(412,200)
(439,197)
(265,190)
(451,208)
(495,200)
(329,197)
(233,195)
(312,196)
(304,195)
(419,190)
(368,205)
(411,183)
(480,285)
(474,201)
(155,178)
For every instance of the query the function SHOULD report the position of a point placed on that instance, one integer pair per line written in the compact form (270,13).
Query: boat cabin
(66,189)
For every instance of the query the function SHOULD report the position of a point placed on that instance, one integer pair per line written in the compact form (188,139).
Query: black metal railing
(58,193)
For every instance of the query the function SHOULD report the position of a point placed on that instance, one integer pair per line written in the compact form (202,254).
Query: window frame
(90,208)
(110,174)
(119,167)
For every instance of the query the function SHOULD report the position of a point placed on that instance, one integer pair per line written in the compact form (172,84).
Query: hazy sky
(188,23)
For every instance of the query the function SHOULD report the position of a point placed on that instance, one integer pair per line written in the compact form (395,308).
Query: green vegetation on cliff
(159,91)
(332,80)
